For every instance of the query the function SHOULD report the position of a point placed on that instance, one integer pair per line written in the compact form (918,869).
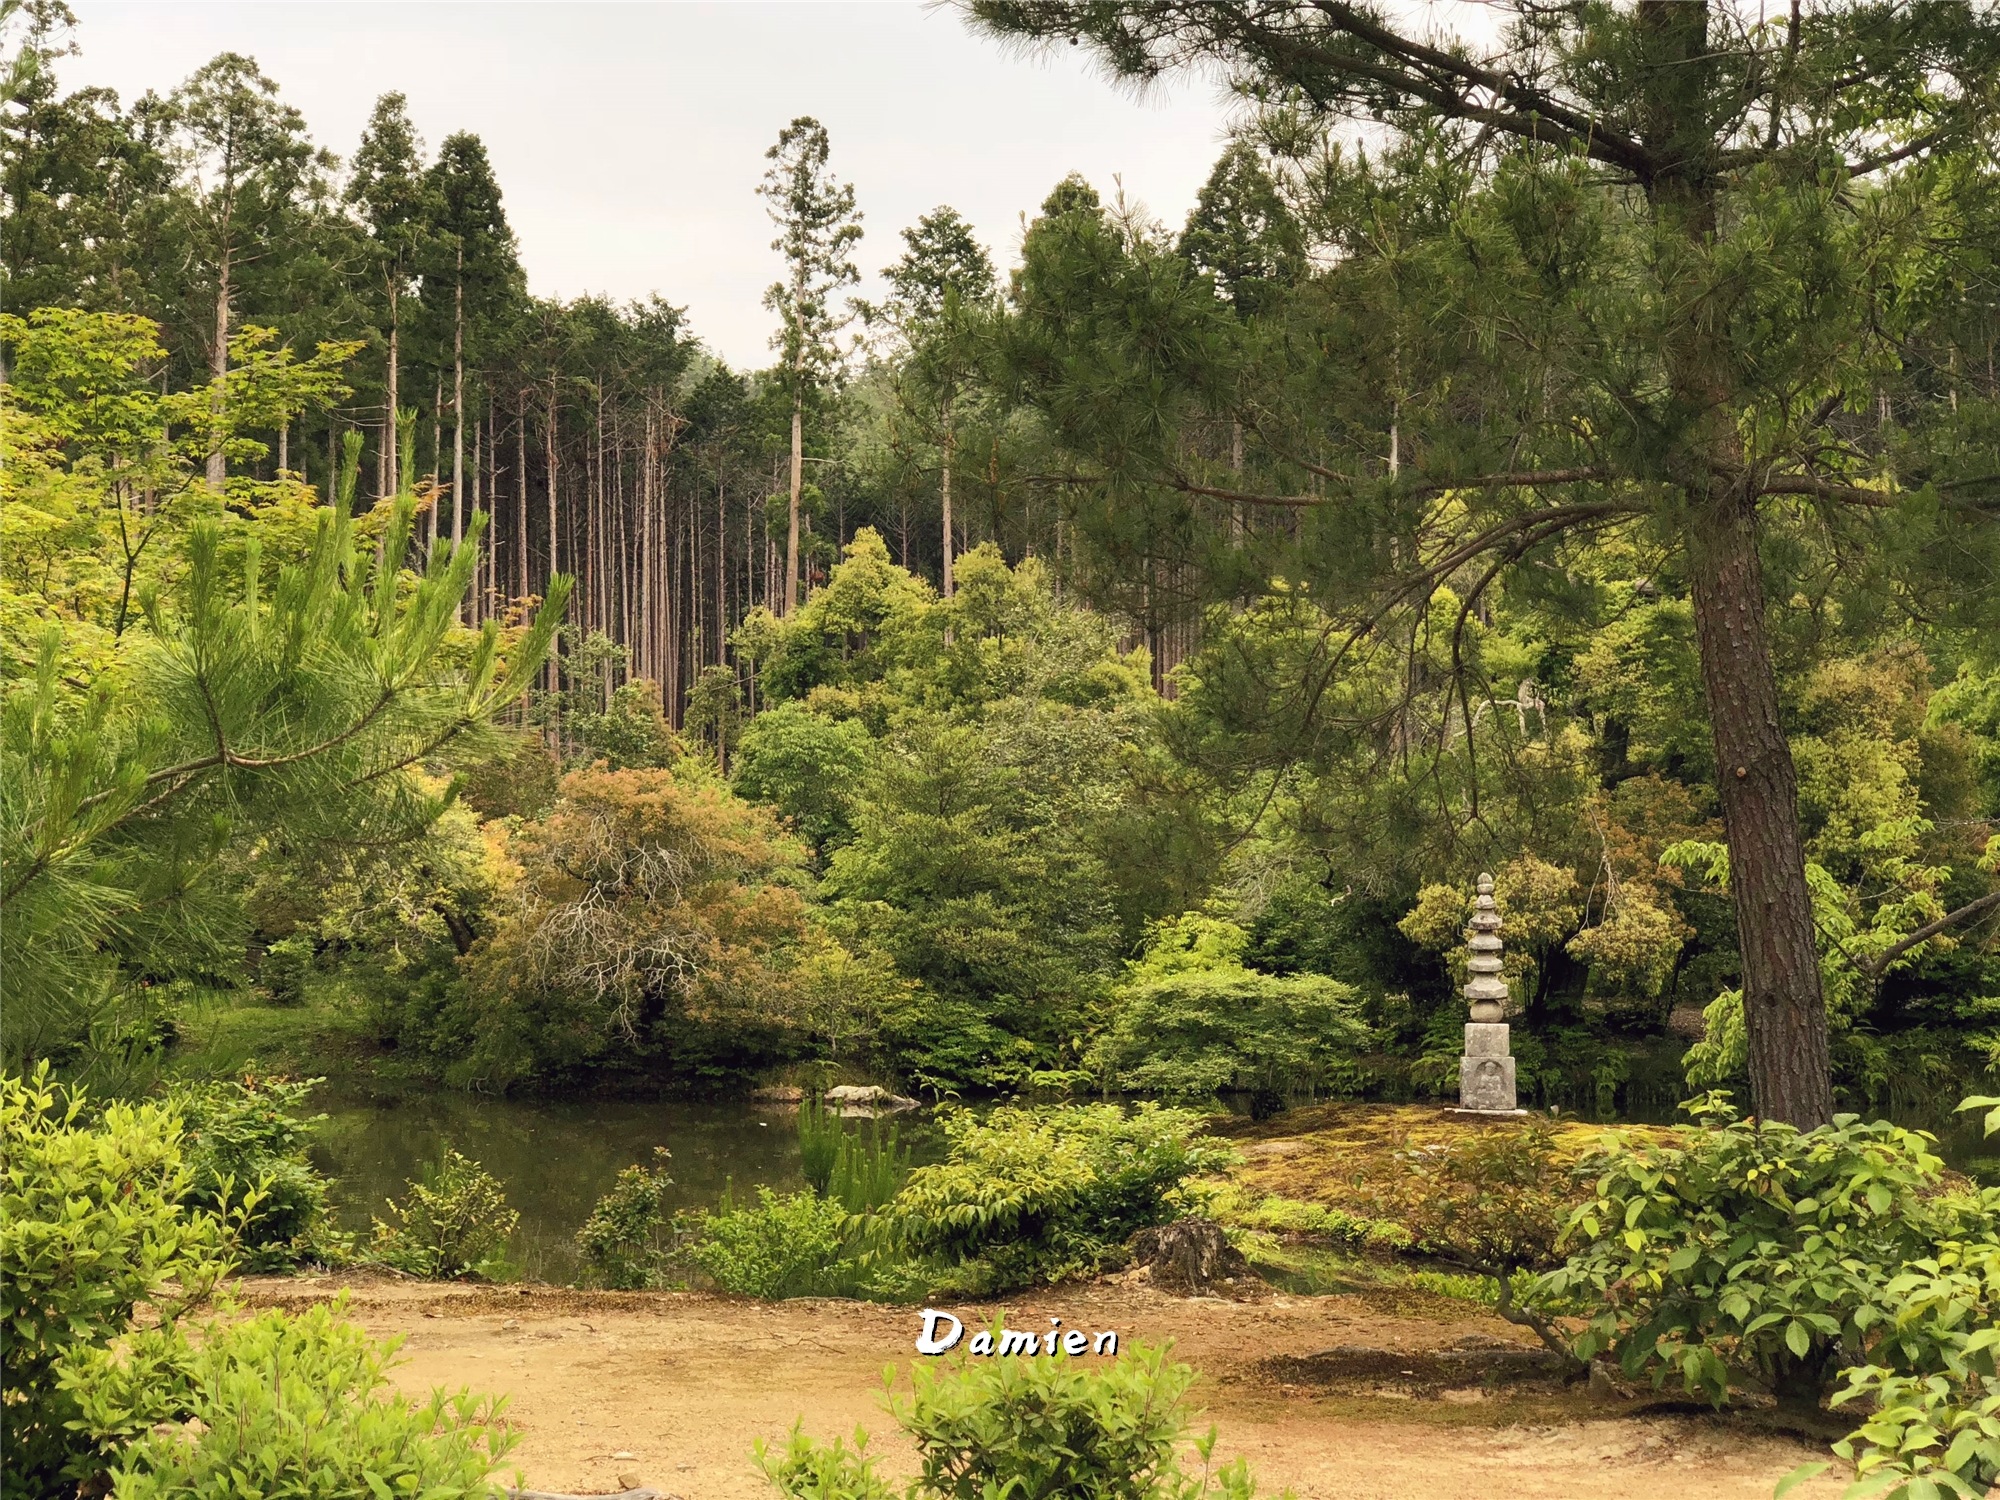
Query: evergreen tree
(245,161)
(389,187)
(818,227)
(1664,221)
(943,287)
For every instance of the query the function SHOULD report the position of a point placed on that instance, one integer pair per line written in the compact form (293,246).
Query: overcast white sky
(629,138)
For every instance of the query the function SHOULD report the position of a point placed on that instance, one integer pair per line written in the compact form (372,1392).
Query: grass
(224,1031)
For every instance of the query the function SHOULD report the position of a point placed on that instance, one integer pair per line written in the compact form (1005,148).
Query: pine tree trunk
(721,569)
(218,368)
(1784,1011)
(798,479)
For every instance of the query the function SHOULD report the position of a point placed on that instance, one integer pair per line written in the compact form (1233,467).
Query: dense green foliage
(1045,1427)
(1026,1195)
(1759,1253)
(246,1143)
(103,1210)
(92,1223)
(625,1243)
(453,1221)
(280,1404)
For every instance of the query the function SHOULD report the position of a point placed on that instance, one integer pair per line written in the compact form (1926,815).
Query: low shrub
(250,1136)
(1759,1253)
(788,1245)
(453,1222)
(93,1221)
(1037,1195)
(284,969)
(1933,1427)
(1041,1428)
(1494,1201)
(627,1242)
(278,1405)
(1189,1036)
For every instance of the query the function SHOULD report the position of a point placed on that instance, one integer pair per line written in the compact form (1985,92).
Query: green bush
(1189,1036)
(279,1405)
(92,1223)
(249,1136)
(626,1242)
(1037,1195)
(1041,1428)
(789,1245)
(1763,1253)
(283,970)
(453,1222)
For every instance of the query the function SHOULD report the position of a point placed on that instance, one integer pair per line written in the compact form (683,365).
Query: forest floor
(1363,1396)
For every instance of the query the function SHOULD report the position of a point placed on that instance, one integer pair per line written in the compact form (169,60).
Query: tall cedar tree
(389,187)
(818,227)
(245,158)
(472,261)
(943,284)
(1700,199)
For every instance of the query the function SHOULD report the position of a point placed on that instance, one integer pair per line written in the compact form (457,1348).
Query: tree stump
(1188,1255)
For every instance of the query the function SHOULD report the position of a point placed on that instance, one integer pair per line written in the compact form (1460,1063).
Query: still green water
(557,1158)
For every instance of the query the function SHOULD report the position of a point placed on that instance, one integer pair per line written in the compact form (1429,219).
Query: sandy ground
(684,1383)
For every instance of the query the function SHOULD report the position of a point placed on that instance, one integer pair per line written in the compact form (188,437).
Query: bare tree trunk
(386,474)
(521,508)
(798,479)
(721,569)
(218,369)
(554,652)
(944,484)
(437,461)
(458,407)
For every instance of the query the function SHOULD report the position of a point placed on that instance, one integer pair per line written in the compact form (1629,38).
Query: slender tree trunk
(798,480)
(480,563)
(437,460)
(521,492)
(944,485)
(721,569)
(458,407)
(386,473)
(218,369)
(554,666)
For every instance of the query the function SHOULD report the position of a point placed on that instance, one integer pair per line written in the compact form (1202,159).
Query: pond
(556,1158)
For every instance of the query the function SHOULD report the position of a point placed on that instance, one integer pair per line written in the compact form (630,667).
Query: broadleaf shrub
(1757,1252)
(250,1136)
(627,1241)
(1040,1428)
(786,1245)
(279,1405)
(92,1223)
(453,1222)
(1037,1195)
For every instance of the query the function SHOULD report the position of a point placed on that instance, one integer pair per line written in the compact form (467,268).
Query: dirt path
(684,1383)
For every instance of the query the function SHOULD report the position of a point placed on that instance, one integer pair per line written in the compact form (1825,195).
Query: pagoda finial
(1485,989)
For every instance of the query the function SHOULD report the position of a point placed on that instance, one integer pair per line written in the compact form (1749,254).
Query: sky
(629,138)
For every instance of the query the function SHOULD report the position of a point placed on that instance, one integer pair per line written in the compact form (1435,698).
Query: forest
(1010,665)
(1102,676)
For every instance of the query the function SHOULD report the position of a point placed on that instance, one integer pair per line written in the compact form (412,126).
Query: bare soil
(1314,1390)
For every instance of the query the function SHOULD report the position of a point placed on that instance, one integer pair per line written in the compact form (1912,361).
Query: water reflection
(556,1158)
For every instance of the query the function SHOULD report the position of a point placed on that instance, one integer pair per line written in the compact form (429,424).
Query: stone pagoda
(1486,1071)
